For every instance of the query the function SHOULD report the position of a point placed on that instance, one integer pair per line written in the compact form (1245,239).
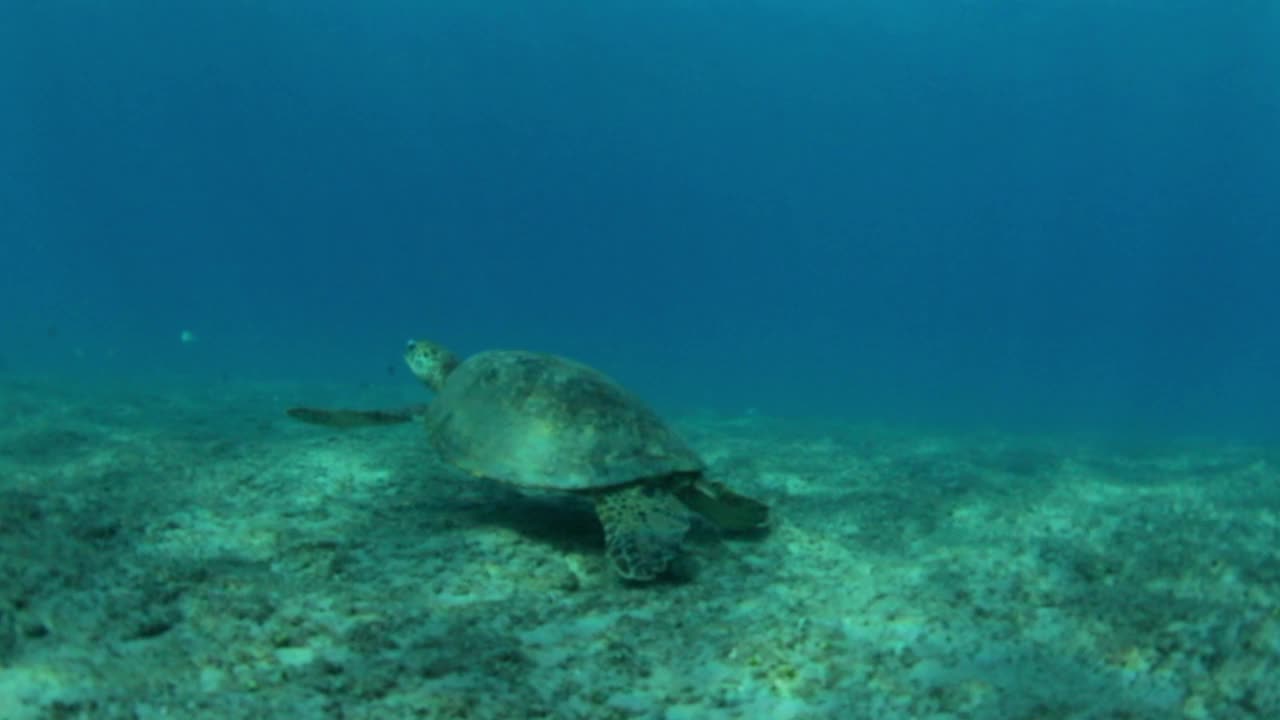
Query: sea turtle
(545,422)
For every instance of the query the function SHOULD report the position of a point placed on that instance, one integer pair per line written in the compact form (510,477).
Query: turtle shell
(542,421)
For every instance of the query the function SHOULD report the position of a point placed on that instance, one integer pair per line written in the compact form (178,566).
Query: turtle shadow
(567,524)
(571,522)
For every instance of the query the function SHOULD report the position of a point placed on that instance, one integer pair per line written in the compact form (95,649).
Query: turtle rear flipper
(726,509)
(643,530)
(345,418)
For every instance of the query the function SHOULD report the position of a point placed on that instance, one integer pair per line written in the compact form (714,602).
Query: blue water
(1042,215)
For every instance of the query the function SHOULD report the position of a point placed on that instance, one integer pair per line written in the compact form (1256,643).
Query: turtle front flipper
(344,418)
(725,508)
(643,529)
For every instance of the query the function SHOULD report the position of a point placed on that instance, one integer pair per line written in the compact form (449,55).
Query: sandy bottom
(196,554)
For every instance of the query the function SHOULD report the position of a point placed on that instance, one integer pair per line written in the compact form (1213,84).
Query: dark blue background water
(1033,214)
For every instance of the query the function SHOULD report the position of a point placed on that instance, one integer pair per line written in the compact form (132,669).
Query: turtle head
(430,362)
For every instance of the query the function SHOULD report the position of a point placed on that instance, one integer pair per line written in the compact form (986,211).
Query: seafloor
(192,553)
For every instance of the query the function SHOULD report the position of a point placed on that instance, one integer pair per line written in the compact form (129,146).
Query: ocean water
(1017,214)
(944,283)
